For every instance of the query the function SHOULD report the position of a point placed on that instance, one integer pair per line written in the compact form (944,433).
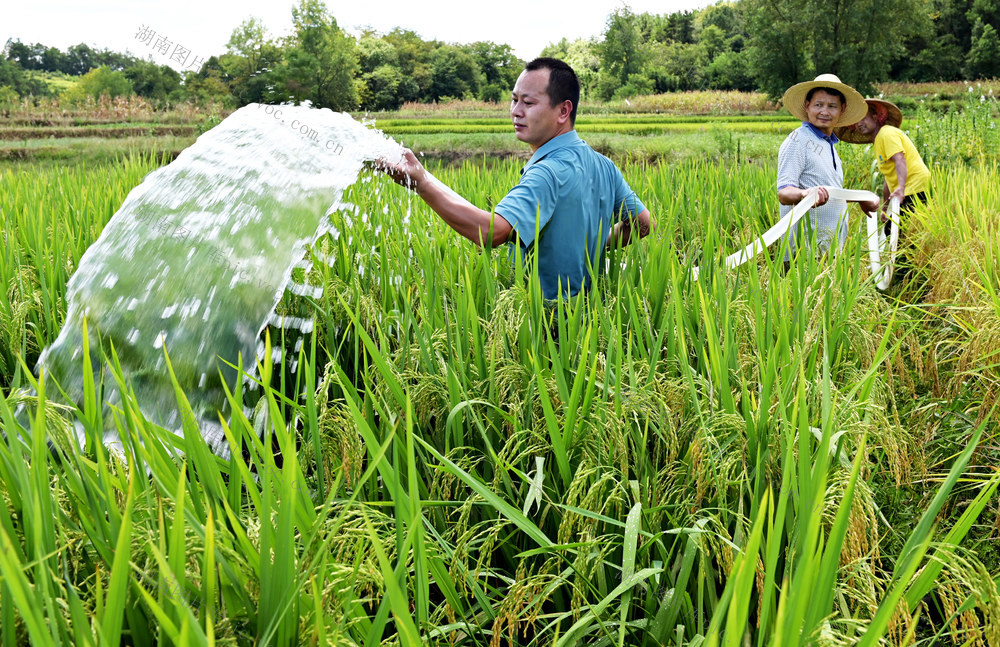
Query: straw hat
(888,114)
(794,99)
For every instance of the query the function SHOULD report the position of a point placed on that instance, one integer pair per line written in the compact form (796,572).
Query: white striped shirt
(808,158)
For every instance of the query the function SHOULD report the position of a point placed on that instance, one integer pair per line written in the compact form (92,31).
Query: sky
(201,29)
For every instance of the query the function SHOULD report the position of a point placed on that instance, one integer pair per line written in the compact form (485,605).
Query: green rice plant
(759,456)
(50,218)
(963,278)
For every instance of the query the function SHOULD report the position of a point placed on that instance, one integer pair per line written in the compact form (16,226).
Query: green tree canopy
(97,82)
(250,61)
(795,40)
(454,74)
(499,68)
(622,53)
(159,83)
(321,62)
(983,59)
(17,81)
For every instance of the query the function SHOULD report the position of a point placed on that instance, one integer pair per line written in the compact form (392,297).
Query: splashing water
(198,256)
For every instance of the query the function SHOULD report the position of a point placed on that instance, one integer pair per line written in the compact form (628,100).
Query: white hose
(879,245)
(782,226)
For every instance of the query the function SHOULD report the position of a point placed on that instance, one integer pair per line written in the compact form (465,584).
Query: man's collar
(557,142)
(833,139)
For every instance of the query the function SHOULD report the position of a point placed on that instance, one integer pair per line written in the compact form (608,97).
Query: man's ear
(565,110)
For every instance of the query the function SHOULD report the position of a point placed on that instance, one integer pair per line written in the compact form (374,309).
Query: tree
(247,42)
(730,71)
(15,79)
(652,27)
(499,68)
(380,88)
(374,52)
(936,51)
(724,15)
(79,60)
(28,57)
(321,63)
(248,62)
(414,55)
(986,12)
(454,74)
(53,60)
(114,60)
(712,41)
(159,83)
(97,82)
(621,51)
(582,56)
(794,40)
(679,27)
(556,50)
(983,60)
(685,64)
(206,86)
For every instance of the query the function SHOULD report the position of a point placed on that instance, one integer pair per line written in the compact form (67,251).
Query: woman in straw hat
(906,176)
(808,160)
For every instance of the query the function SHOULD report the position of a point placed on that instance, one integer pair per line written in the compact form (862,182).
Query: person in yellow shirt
(906,176)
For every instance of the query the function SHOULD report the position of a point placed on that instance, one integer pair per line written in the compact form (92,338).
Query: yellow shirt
(891,140)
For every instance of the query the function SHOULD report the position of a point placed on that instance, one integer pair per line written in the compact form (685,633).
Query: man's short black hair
(563,84)
(831,91)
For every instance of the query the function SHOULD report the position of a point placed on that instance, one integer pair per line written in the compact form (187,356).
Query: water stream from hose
(200,253)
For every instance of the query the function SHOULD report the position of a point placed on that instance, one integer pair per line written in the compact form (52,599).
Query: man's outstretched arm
(625,231)
(461,215)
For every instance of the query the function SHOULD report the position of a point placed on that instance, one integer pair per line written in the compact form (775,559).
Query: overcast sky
(204,27)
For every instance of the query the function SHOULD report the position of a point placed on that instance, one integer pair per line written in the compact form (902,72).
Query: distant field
(644,124)
(64,137)
(711,125)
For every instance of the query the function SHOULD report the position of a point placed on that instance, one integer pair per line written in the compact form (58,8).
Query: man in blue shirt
(575,198)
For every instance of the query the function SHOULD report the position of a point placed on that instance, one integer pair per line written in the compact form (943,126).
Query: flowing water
(200,253)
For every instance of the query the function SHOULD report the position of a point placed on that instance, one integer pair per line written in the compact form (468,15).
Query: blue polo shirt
(573,195)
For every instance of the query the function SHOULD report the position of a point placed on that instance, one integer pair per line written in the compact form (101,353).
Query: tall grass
(50,218)
(758,457)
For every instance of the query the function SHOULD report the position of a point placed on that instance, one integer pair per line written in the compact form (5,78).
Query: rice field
(758,457)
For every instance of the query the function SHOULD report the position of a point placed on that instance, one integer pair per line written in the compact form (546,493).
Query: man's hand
(626,231)
(408,171)
(470,221)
